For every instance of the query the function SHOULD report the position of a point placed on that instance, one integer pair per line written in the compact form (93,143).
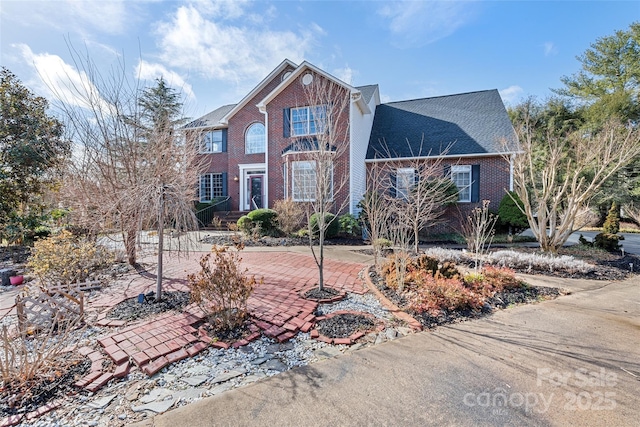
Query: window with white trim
(405,180)
(211,186)
(461,177)
(211,142)
(308,120)
(304,183)
(254,139)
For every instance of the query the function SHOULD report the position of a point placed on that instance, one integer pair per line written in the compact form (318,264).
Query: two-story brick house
(247,145)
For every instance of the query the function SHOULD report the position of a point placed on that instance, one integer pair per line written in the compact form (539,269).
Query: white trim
(451,156)
(463,169)
(258,88)
(242,169)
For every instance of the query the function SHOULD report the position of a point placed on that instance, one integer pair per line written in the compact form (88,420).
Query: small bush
(537,261)
(510,215)
(266,220)
(382,243)
(221,288)
(350,226)
(290,215)
(612,223)
(331,223)
(500,278)
(608,242)
(436,294)
(245,224)
(64,258)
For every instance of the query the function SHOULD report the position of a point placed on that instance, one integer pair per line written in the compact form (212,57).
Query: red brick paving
(276,307)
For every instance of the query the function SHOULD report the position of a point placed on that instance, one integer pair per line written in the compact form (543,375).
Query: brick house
(248,145)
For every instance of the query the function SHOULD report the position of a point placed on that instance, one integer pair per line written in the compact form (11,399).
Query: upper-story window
(308,120)
(213,141)
(254,139)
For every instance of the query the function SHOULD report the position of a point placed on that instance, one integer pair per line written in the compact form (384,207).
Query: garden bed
(229,240)
(131,309)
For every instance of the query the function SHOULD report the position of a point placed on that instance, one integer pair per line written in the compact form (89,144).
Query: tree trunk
(160,249)
(130,237)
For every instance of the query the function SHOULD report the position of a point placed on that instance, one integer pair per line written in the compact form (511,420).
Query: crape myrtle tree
(317,159)
(32,149)
(132,168)
(559,169)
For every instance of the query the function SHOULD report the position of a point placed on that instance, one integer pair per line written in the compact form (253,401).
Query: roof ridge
(440,96)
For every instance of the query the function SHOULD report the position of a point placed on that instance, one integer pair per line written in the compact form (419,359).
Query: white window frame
(208,144)
(208,185)
(313,122)
(308,194)
(251,143)
(463,185)
(405,181)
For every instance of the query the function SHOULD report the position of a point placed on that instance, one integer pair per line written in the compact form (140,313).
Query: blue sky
(216,51)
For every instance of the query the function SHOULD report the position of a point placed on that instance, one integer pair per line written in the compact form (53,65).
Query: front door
(255,191)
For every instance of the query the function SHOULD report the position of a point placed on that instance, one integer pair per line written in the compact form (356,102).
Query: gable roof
(355,93)
(212,119)
(475,123)
(284,64)
(367,92)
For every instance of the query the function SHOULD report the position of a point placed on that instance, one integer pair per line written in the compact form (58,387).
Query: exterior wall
(293,96)
(494,182)
(360,133)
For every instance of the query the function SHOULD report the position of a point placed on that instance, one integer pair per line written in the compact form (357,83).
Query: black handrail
(205,215)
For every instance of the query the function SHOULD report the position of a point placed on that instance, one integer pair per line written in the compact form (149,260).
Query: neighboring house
(247,144)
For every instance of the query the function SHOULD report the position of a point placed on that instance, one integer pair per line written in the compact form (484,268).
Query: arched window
(254,139)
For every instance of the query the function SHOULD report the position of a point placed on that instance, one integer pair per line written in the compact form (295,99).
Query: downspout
(511,161)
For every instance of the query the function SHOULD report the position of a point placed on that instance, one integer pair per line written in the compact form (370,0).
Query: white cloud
(417,23)
(550,49)
(79,16)
(151,71)
(63,82)
(511,94)
(223,51)
(345,74)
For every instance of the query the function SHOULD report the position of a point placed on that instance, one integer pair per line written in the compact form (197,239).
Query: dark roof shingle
(474,123)
(211,119)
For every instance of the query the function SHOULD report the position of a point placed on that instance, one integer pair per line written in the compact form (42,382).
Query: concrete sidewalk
(571,361)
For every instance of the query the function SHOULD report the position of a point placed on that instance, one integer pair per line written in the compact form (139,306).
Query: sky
(215,52)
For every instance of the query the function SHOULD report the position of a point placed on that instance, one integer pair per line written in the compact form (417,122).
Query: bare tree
(557,173)
(632,210)
(132,169)
(478,230)
(375,209)
(418,189)
(317,159)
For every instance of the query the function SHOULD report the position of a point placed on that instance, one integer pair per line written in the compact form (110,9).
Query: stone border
(351,339)
(394,309)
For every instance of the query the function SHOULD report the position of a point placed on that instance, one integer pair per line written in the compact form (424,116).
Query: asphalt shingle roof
(474,122)
(211,119)
(367,92)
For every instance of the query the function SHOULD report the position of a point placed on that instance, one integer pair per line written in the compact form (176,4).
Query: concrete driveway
(571,361)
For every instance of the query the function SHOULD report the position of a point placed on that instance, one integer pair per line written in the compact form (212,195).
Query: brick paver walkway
(276,307)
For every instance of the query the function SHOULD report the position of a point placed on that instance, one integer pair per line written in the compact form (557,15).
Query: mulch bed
(225,334)
(345,325)
(131,309)
(43,390)
(324,295)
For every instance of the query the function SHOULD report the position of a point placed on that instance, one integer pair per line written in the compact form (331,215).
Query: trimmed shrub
(436,294)
(612,223)
(266,219)
(510,215)
(350,226)
(608,242)
(331,223)
(245,224)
